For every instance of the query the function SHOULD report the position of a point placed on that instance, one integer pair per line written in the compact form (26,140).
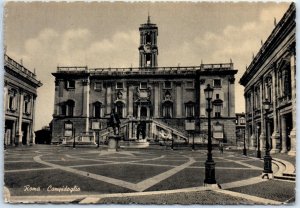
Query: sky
(47,35)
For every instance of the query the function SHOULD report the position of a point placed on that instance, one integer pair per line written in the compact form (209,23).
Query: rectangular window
(98,86)
(189,109)
(217,83)
(70,84)
(63,110)
(217,96)
(143,85)
(167,85)
(119,85)
(11,103)
(217,109)
(190,84)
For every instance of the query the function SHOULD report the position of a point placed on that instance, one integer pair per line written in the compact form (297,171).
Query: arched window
(97,109)
(119,106)
(167,107)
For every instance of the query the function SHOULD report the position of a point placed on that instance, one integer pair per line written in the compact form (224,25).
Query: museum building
(20,92)
(271,77)
(169,99)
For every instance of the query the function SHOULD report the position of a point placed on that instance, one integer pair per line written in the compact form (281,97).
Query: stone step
(289,178)
(289,174)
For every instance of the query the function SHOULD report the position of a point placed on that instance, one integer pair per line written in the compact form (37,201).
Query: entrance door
(8,132)
(24,131)
(143,111)
(289,127)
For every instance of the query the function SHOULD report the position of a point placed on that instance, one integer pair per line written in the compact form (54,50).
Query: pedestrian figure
(221,147)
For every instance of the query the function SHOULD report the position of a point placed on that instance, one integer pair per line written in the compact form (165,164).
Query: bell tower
(148,45)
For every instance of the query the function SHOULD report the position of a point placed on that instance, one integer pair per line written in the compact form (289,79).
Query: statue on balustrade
(141,129)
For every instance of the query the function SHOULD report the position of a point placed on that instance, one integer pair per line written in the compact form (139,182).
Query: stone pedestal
(142,143)
(293,137)
(113,143)
(275,143)
(253,144)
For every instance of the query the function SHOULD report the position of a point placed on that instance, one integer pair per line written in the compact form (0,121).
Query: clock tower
(148,45)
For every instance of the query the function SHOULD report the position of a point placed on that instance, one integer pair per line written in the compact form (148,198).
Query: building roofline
(21,70)
(279,28)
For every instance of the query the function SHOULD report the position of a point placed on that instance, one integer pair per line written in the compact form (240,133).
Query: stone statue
(141,128)
(114,122)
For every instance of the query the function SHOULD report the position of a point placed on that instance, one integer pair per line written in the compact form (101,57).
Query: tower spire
(148,21)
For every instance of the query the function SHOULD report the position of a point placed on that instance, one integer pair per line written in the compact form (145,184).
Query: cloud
(236,43)
(70,48)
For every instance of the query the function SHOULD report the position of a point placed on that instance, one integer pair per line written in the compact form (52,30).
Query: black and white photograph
(149,103)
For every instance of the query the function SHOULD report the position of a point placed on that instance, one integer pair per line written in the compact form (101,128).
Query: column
(20,118)
(108,98)
(130,100)
(129,130)
(33,120)
(262,137)
(150,135)
(283,135)
(156,100)
(294,106)
(28,139)
(139,111)
(5,99)
(231,91)
(86,106)
(178,100)
(148,112)
(275,134)
(253,135)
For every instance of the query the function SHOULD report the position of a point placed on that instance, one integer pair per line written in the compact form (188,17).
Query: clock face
(147,48)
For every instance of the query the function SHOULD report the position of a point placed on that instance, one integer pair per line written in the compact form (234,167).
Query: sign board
(218,132)
(190,125)
(143,94)
(68,125)
(68,132)
(68,129)
(96,125)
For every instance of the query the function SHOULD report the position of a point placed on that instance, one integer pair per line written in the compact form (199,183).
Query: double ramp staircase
(154,132)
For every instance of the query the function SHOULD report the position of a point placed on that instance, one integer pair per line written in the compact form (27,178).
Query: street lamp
(267,158)
(258,153)
(209,163)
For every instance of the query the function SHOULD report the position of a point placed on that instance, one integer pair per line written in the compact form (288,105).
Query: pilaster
(262,136)
(294,106)
(283,135)
(178,100)
(275,134)
(20,118)
(86,98)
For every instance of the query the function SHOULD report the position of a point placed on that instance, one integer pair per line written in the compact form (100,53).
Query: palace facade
(271,76)
(167,98)
(20,92)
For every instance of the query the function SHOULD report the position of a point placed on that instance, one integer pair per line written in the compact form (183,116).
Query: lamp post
(209,163)
(258,153)
(244,150)
(267,172)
